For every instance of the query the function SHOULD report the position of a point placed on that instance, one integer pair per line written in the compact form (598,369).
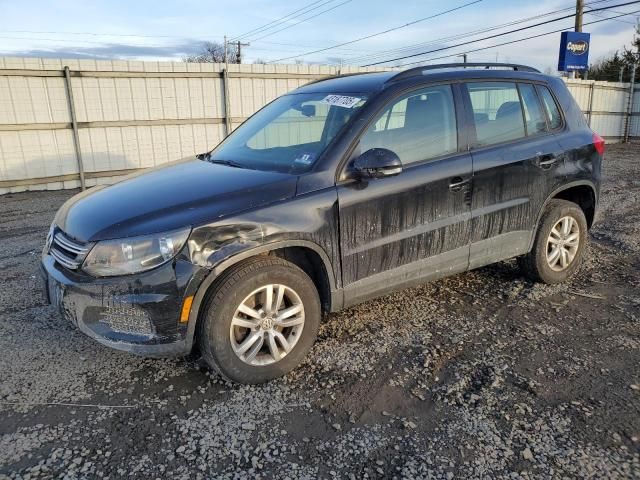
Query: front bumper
(137,313)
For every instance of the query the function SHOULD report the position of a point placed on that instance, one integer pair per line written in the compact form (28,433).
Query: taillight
(598,142)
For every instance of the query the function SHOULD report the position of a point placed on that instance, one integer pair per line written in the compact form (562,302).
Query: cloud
(113,50)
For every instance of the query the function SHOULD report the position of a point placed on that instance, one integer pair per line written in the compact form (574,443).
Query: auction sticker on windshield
(341,101)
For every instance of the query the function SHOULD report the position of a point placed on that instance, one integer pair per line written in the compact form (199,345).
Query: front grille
(68,252)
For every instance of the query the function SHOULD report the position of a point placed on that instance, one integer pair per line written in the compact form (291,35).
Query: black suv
(343,190)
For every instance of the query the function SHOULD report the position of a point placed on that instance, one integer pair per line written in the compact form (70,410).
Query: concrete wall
(133,115)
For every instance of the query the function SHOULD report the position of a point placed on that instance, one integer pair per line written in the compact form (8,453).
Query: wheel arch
(330,296)
(575,192)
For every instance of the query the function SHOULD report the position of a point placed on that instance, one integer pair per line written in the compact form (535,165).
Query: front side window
(417,126)
(290,133)
(555,119)
(496,111)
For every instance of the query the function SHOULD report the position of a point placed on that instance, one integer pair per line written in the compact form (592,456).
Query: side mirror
(377,163)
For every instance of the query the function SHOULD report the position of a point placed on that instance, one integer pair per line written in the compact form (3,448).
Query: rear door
(397,231)
(515,160)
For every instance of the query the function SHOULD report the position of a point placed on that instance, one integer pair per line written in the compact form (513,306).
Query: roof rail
(414,72)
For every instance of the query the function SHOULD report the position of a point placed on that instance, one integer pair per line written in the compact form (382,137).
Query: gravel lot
(483,375)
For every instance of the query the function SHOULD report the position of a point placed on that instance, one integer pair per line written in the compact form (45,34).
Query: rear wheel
(261,320)
(559,245)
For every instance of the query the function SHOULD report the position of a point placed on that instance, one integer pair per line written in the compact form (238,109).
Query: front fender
(307,221)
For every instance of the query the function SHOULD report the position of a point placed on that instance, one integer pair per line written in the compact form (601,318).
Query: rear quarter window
(535,117)
(551,108)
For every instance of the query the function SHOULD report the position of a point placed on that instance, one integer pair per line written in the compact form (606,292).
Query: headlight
(135,254)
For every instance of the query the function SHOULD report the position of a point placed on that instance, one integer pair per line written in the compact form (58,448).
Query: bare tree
(213,52)
(260,61)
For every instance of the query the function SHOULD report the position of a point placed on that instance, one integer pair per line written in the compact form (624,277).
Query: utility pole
(578,26)
(627,123)
(226,46)
(464,57)
(579,14)
(621,73)
(239,52)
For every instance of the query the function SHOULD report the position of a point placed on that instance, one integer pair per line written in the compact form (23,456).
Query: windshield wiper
(228,163)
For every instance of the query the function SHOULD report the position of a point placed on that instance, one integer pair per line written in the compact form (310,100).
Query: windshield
(289,134)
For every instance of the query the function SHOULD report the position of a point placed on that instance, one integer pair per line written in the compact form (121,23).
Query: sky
(163,30)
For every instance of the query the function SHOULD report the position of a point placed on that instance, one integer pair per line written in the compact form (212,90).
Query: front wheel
(559,245)
(261,320)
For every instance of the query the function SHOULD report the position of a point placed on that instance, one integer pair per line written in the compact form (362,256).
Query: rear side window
(553,113)
(496,111)
(536,122)
(417,126)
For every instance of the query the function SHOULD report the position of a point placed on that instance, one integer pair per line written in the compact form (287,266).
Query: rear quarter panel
(582,161)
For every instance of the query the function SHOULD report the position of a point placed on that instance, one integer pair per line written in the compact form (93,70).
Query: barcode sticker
(341,101)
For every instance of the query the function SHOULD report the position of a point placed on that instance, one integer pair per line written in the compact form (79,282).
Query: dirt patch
(483,375)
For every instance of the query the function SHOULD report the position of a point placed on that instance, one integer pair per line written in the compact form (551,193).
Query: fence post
(74,126)
(227,102)
(627,122)
(590,111)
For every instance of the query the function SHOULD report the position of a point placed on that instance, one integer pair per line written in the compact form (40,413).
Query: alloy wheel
(267,325)
(563,243)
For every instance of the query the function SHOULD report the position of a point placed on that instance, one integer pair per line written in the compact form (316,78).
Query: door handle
(456,183)
(545,161)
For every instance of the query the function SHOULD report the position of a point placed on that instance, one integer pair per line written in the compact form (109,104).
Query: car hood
(188,192)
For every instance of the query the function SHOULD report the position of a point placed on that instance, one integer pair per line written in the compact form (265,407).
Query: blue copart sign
(574,51)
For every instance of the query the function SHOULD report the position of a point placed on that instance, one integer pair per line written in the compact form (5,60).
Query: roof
(373,82)
(358,83)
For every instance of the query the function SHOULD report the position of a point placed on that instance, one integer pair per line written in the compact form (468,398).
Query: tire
(537,264)
(223,338)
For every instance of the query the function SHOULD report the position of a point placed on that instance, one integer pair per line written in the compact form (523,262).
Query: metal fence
(608,108)
(63,122)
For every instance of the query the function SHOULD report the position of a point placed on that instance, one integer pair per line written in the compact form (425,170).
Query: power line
(378,33)
(298,46)
(601,15)
(98,34)
(381,53)
(301,21)
(517,40)
(496,35)
(95,34)
(413,47)
(281,20)
(454,37)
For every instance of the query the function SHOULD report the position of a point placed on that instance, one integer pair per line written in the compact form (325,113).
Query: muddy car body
(389,195)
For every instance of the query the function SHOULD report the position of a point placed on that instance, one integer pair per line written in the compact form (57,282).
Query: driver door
(402,230)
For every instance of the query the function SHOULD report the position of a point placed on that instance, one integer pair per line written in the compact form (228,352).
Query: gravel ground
(483,375)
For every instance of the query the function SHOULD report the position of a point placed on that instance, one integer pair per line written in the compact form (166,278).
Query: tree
(609,68)
(213,52)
